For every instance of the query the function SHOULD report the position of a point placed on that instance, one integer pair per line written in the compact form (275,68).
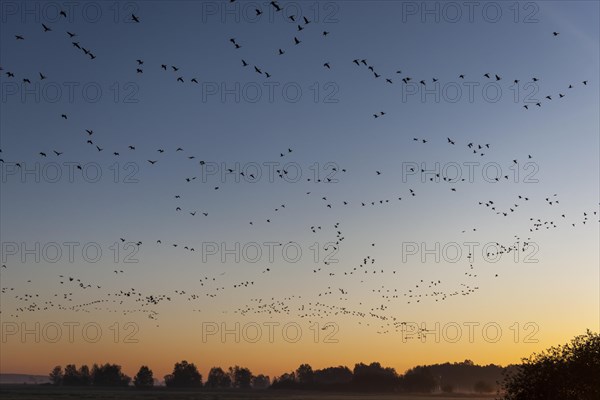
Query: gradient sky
(330,121)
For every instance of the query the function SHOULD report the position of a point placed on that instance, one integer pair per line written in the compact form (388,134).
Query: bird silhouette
(276,6)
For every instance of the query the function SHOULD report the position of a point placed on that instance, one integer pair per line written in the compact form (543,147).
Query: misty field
(22,392)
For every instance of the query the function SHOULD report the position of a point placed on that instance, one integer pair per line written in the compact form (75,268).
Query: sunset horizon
(272,184)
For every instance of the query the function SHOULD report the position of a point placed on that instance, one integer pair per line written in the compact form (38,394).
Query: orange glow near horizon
(315,182)
(283,355)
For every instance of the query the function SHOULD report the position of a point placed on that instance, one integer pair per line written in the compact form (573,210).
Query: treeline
(567,372)
(100,375)
(460,377)
(463,377)
(185,375)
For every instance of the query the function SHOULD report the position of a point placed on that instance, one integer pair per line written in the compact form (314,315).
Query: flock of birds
(74,293)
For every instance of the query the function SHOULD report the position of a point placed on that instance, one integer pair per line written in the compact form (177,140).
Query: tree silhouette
(464,375)
(333,376)
(144,378)
(56,375)
(241,378)
(184,375)
(109,375)
(418,379)
(285,381)
(85,378)
(567,372)
(260,381)
(305,374)
(374,377)
(218,379)
(71,375)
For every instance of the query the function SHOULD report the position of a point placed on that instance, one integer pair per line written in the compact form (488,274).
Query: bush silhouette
(567,372)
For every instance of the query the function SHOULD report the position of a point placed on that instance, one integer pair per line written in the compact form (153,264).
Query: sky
(293,268)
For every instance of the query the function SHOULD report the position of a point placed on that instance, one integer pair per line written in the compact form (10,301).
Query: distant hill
(23,378)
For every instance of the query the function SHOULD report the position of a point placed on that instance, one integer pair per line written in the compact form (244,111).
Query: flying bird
(276,6)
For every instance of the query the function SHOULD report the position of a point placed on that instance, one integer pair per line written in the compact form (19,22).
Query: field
(32,392)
